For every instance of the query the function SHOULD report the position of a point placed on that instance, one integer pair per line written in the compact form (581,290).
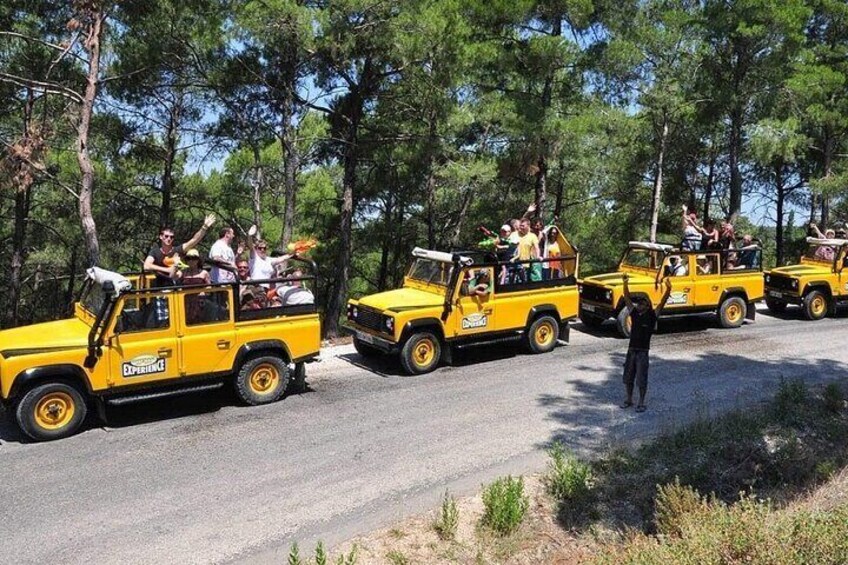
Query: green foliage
(397,557)
(505,505)
(294,555)
(320,554)
(448,520)
(568,480)
(833,397)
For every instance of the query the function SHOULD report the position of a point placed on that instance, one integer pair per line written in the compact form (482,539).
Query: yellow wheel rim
(424,352)
(817,305)
(264,379)
(544,334)
(55,410)
(734,313)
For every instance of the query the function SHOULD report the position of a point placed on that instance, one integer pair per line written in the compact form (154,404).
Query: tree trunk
(291,165)
(781,197)
(383,275)
(829,149)
(463,211)
(72,274)
(734,152)
(541,184)
(431,181)
(400,259)
(256,187)
(170,158)
(708,190)
(89,228)
(658,180)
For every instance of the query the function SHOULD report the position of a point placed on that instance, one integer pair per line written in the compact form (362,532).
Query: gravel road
(202,480)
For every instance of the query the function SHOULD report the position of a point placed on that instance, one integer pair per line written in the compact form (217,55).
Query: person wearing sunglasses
(262,267)
(162,260)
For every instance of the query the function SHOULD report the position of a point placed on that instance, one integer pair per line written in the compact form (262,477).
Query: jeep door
(474,313)
(682,283)
(142,340)
(207,330)
(708,283)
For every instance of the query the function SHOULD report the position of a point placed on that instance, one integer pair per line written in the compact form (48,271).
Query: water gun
(302,246)
(491,240)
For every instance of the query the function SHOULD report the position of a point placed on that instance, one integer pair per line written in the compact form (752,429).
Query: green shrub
(568,479)
(675,504)
(505,504)
(833,398)
(320,554)
(446,524)
(294,555)
(350,558)
(790,396)
(397,557)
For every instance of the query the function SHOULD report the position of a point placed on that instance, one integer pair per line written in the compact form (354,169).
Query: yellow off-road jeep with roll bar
(727,282)
(819,283)
(450,301)
(128,342)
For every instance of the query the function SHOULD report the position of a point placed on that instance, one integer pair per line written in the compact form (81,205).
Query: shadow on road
(681,324)
(388,366)
(679,392)
(147,411)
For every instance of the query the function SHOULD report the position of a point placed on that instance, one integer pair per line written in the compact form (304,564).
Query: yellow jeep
(727,282)
(818,284)
(129,342)
(450,301)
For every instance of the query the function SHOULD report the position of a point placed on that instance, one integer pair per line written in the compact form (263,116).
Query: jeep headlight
(355,312)
(794,283)
(608,295)
(390,324)
(768,278)
(580,289)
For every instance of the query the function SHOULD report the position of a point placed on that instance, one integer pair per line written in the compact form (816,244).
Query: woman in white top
(262,267)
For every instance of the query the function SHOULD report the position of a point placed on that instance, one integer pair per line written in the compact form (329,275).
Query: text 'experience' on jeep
(819,283)
(728,282)
(450,301)
(129,342)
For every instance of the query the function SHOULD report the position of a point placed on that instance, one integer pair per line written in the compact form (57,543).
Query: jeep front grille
(780,282)
(370,319)
(595,294)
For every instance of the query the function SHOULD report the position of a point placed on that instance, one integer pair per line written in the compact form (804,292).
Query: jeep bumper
(784,296)
(601,311)
(381,343)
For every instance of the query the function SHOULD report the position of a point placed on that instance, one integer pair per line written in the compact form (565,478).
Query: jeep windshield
(92,297)
(429,271)
(644,259)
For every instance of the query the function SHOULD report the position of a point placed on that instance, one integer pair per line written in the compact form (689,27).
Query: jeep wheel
(51,411)
(364,349)
(262,380)
(623,322)
(591,321)
(420,353)
(542,334)
(776,306)
(732,312)
(815,305)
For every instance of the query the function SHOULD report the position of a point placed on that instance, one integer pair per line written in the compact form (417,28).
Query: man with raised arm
(643,320)
(163,260)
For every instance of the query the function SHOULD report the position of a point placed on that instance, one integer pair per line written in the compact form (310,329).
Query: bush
(676,503)
(790,396)
(568,479)
(833,398)
(505,504)
(446,524)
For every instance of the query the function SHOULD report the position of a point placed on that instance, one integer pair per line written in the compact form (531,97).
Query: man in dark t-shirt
(643,321)
(162,259)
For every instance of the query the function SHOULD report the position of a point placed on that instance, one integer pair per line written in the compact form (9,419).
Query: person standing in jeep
(162,259)
(643,320)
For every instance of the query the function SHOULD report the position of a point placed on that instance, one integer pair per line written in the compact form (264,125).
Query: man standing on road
(643,320)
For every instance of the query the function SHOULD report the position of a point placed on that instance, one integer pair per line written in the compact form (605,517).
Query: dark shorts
(636,368)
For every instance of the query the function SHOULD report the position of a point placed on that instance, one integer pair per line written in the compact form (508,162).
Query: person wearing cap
(643,323)
(194,275)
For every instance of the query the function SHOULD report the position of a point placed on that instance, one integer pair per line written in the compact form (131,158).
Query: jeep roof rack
(651,246)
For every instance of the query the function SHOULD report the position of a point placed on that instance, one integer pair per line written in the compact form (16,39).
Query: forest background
(378,125)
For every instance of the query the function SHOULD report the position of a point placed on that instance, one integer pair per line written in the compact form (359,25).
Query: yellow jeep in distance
(728,282)
(818,284)
(126,343)
(450,301)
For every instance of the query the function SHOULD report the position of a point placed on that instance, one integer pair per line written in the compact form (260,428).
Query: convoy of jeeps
(129,342)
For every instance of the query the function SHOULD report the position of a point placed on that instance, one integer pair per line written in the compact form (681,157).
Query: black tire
(421,353)
(622,322)
(51,411)
(591,321)
(542,334)
(262,379)
(815,305)
(732,312)
(776,306)
(365,349)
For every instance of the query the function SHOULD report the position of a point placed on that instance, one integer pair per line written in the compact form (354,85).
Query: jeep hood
(49,336)
(615,279)
(402,299)
(802,270)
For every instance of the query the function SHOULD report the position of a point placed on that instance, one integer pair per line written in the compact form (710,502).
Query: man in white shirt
(224,257)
